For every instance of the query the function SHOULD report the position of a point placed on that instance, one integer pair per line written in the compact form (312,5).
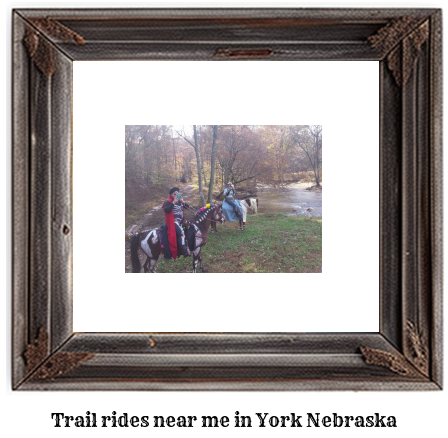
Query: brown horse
(148,241)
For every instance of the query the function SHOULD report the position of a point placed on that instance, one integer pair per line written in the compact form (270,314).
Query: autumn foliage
(212,155)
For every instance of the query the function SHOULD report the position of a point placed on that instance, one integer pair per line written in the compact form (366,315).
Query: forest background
(157,156)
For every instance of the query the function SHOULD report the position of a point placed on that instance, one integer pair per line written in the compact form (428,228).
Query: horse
(246,204)
(148,241)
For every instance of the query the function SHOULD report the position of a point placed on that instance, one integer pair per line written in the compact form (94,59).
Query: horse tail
(135,243)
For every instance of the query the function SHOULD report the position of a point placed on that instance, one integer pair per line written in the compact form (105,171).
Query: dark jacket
(177,208)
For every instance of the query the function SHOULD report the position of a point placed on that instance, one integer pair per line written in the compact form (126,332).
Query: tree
(279,150)
(316,133)
(212,164)
(240,153)
(198,160)
(309,139)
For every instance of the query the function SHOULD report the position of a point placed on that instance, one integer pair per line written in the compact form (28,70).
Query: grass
(271,243)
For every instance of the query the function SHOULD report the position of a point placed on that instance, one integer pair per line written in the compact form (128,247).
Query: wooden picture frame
(406,353)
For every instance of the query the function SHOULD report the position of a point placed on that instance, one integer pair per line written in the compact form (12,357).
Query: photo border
(406,353)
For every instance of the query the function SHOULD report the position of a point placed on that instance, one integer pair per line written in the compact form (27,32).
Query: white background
(29,413)
(110,95)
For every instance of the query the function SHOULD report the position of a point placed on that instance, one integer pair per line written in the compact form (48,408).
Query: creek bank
(294,200)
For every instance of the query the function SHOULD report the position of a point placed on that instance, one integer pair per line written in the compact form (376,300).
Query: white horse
(250,204)
(247,204)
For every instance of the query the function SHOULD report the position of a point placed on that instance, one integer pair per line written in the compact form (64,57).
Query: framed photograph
(88,82)
(276,170)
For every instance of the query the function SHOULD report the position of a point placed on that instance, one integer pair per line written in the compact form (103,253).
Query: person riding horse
(229,193)
(174,214)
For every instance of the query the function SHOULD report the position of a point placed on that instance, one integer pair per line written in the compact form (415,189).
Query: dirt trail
(155,217)
(141,221)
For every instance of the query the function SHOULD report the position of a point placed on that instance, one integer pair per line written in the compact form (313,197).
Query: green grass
(271,243)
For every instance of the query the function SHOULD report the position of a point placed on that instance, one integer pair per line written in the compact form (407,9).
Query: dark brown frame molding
(406,354)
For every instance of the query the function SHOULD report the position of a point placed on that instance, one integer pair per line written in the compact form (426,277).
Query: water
(291,201)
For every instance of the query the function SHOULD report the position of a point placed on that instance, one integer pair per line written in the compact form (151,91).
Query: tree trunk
(319,146)
(226,177)
(317,161)
(212,164)
(316,176)
(175,157)
(158,161)
(198,161)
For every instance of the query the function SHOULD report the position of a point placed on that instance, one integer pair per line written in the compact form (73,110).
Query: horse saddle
(162,232)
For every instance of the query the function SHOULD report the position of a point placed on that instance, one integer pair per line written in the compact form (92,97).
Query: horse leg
(200,261)
(153,261)
(244,226)
(146,265)
(196,258)
(241,225)
(152,265)
(151,247)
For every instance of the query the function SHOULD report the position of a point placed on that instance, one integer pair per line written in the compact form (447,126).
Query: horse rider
(229,193)
(174,214)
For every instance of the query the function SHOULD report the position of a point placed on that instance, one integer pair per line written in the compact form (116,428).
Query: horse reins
(195,212)
(204,236)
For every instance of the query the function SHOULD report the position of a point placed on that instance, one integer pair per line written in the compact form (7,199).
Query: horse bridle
(218,222)
(204,236)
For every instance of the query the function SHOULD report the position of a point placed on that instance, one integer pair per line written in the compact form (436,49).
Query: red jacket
(172,239)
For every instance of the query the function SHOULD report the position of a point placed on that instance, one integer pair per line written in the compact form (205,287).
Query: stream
(290,200)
